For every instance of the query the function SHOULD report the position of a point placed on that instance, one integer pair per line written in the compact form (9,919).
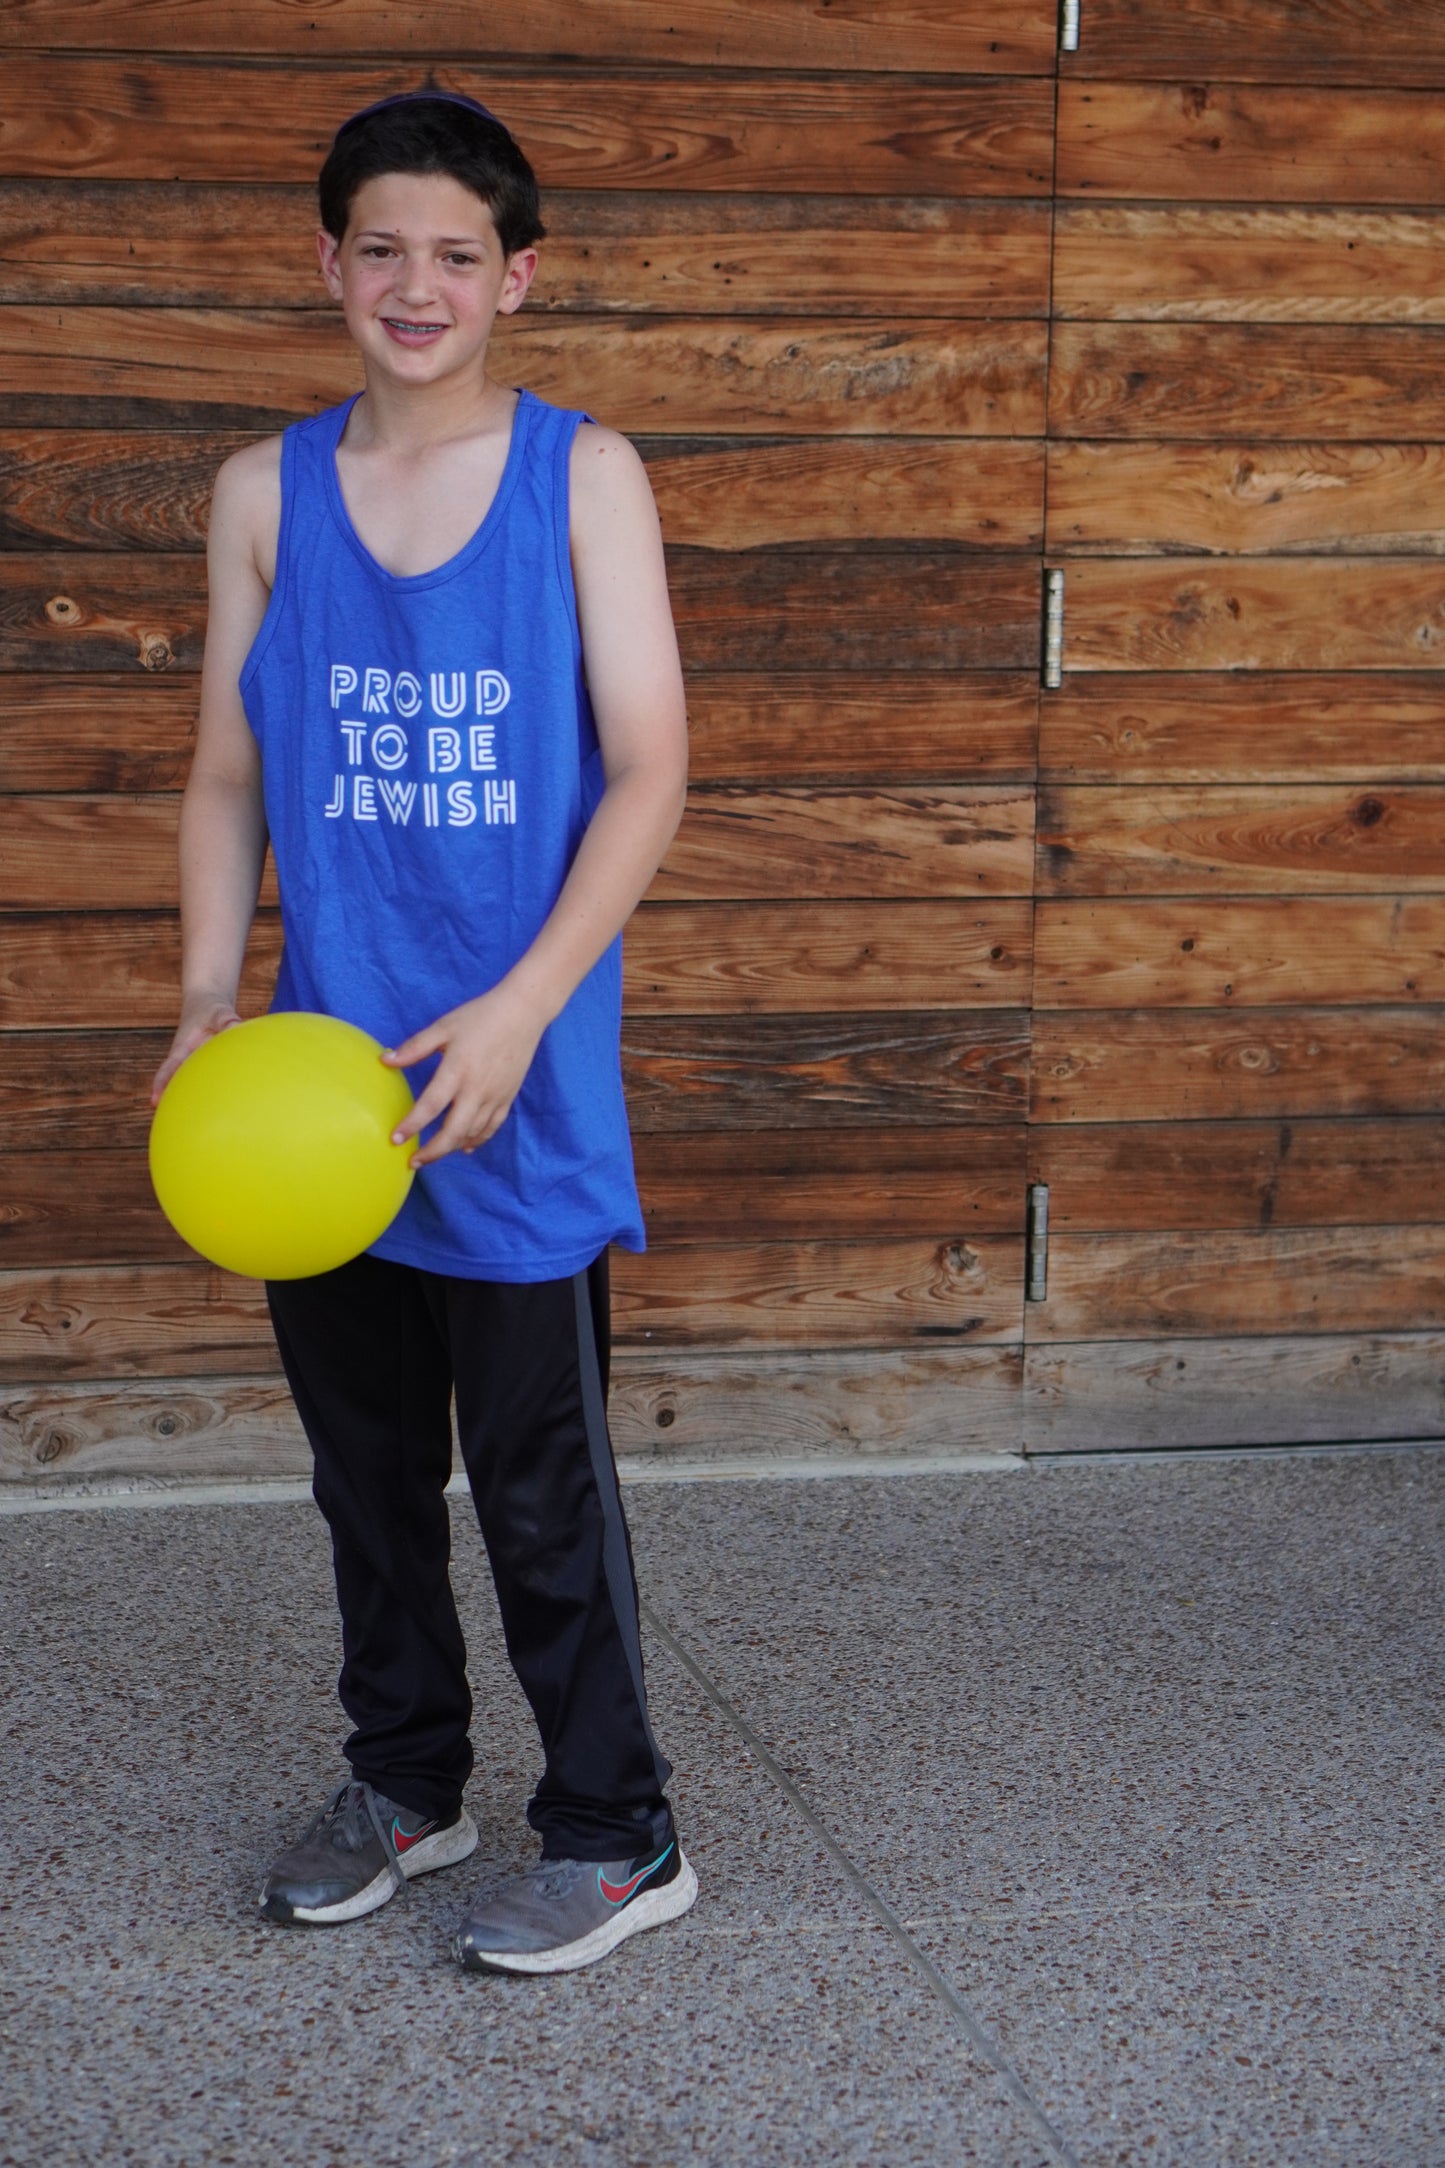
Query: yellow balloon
(271,1148)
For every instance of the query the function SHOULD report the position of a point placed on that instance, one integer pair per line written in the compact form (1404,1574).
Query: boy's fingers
(181,1054)
(463,1136)
(452,1134)
(411,1125)
(434,1101)
(414,1049)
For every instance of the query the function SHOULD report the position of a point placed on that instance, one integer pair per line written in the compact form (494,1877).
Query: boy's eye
(457,255)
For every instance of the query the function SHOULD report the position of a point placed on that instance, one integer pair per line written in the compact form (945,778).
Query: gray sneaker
(359,1851)
(569,1912)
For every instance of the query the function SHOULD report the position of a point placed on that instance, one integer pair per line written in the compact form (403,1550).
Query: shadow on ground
(1145,1760)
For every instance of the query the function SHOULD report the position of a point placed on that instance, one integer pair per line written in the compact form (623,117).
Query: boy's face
(421,275)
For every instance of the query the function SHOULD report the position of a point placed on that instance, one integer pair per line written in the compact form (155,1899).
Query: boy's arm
(223,821)
(635,682)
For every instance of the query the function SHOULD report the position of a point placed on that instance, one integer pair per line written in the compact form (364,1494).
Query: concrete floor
(1091,1814)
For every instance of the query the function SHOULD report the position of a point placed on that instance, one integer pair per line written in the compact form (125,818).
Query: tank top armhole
(266,630)
(562,522)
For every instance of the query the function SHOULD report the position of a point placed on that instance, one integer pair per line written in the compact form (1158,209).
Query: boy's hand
(201,1018)
(486,1047)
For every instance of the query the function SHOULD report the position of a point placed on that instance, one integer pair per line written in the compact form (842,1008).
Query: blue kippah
(418,97)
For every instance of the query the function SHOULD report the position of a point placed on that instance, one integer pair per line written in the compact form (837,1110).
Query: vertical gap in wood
(1031,1175)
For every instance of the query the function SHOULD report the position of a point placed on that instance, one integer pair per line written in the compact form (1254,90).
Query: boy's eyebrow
(443,240)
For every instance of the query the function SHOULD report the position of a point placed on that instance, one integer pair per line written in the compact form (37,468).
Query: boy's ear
(521,270)
(328,248)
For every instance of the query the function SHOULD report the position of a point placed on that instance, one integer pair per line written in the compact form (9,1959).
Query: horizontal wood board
(1241,1282)
(1243,500)
(174,1319)
(1360,42)
(1226,140)
(760,376)
(92,489)
(1239,839)
(762,1077)
(845,1185)
(118,969)
(1137,1177)
(1236,263)
(107,731)
(1252,951)
(228,244)
(816,609)
(1299,613)
(227,120)
(834,1185)
(1205,1064)
(1244,727)
(1273,1390)
(1242,382)
(662,1408)
(881,34)
(108,853)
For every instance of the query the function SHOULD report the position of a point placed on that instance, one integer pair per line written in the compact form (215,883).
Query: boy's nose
(415,282)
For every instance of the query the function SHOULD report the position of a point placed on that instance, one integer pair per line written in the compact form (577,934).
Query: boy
(441,677)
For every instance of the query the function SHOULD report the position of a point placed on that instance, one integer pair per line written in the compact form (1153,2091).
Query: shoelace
(342,1817)
(555,1877)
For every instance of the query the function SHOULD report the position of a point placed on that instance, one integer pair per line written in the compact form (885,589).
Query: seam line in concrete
(294,1490)
(1157,1456)
(981,2042)
(98,1494)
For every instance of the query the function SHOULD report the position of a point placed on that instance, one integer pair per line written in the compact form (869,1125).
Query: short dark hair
(434,132)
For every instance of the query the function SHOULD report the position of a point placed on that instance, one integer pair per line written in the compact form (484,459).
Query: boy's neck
(412,418)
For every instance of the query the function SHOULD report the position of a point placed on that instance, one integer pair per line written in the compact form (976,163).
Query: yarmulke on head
(433,131)
(417,97)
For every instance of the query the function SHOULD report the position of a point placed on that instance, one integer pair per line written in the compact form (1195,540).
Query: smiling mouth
(400,323)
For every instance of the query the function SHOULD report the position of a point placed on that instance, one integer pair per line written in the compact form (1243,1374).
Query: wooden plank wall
(877,351)
(802,254)
(1240,961)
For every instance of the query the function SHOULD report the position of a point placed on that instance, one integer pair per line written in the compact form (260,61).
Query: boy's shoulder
(250,479)
(595,445)
(607,477)
(246,510)
(252,464)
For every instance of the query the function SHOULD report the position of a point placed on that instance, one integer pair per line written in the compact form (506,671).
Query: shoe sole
(652,1909)
(446,1849)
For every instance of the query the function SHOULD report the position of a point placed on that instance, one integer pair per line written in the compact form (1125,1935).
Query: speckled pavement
(1086,1815)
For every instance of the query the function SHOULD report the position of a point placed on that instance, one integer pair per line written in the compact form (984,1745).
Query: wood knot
(1367,812)
(50,1448)
(63,610)
(156,652)
(665,1417)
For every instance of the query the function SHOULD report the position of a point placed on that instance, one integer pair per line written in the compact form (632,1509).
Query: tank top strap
(306,448)
(551,432)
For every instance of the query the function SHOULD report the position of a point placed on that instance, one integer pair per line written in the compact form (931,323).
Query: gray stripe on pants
(615,1559)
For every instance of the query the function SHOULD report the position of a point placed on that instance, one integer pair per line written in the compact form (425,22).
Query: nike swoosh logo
(617,1893)
(404,1842)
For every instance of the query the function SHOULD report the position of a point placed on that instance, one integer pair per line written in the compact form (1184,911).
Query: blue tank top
(430,763)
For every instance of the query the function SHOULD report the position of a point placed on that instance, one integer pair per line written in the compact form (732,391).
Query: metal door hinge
(1069,26)
(1053,631)
(1036,1251)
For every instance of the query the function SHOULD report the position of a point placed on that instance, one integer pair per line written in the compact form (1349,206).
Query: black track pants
(372,1353)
